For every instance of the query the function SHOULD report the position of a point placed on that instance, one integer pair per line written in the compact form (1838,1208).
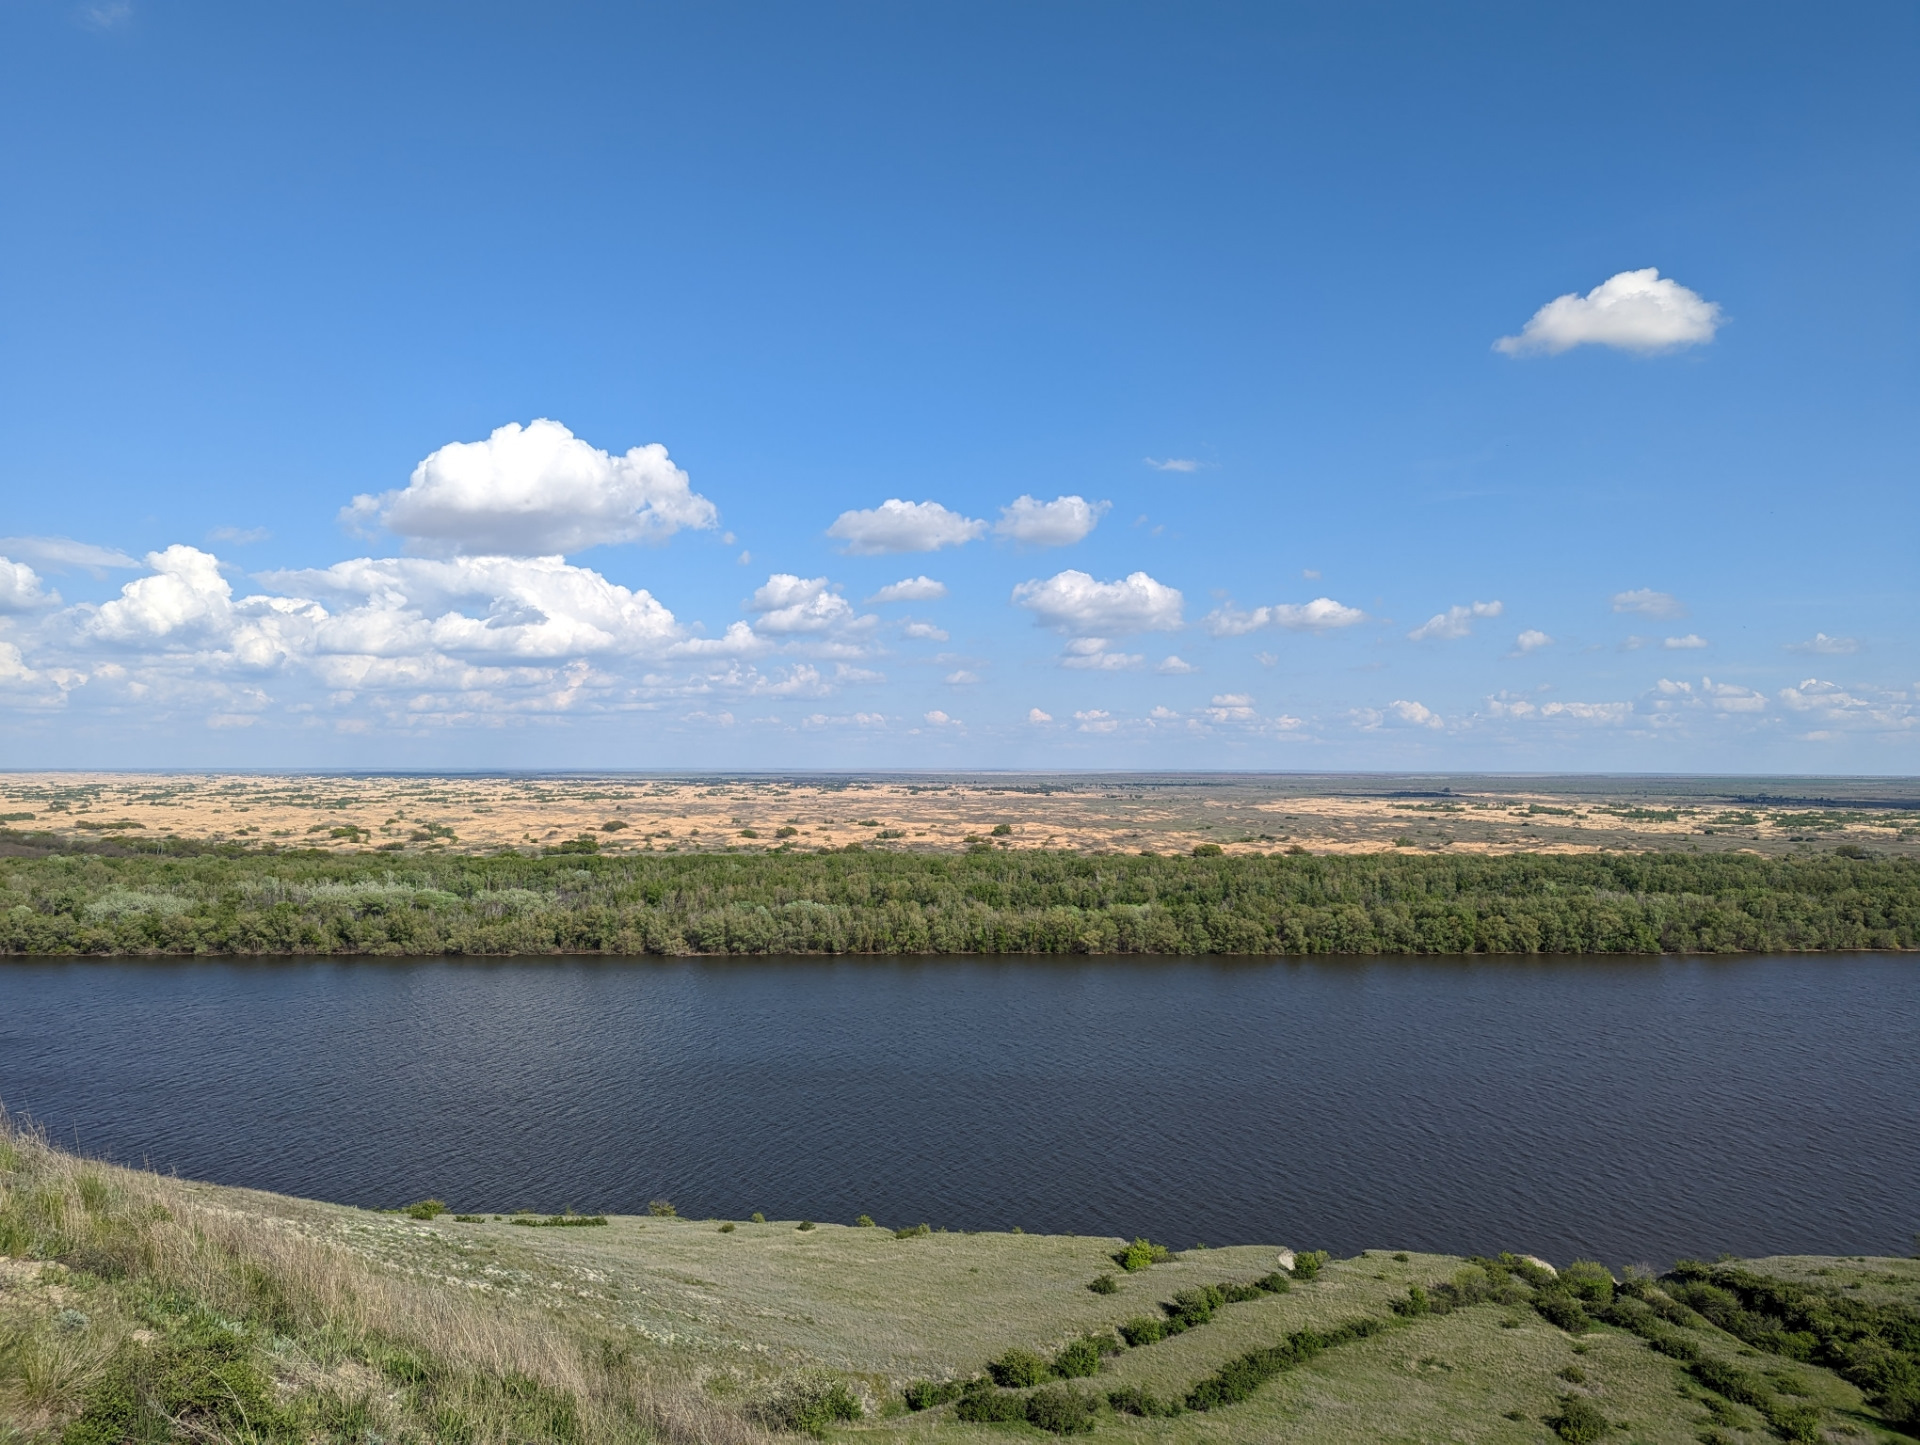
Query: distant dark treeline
(1001,902)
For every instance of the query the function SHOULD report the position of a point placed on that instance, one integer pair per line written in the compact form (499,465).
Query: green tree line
(1003,902)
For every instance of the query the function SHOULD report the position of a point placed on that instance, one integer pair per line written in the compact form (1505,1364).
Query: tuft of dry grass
(103,1264)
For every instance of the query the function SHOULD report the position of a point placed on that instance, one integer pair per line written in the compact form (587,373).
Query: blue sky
(1219,289)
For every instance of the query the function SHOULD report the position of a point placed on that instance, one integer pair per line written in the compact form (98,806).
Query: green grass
(181,900)
(135,1307)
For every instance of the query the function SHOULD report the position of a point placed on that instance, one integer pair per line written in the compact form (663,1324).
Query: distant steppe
(626,812)
(136,1307)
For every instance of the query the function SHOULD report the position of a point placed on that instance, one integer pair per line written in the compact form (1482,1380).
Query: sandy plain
(1242,813)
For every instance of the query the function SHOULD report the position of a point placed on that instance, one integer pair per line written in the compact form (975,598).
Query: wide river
(1634,1111)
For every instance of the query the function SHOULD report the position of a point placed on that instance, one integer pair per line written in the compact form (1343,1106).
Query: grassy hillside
(136,1308)
(176,900)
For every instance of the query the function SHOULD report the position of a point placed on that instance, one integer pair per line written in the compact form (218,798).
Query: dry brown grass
(103,1237)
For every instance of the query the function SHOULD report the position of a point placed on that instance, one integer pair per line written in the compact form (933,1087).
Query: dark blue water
(1633,1110)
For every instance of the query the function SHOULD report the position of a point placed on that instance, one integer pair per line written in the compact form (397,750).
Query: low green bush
(1307,1263)
(1559,1307)
(1133,1400)
(1018,1368)
(927,1394)
(662,1209)
(1192,1307)
(1143,1331)
(1239,1378)
(1103,1284)
(808,1405)
(425,1209)
(1080,1359)
(727,1228)
(1589,1281)
(1578,1421)
(912,1232)
(1207,850)
(757,1217)
(991,1407)
(1140,1254)
(865,1221)
(558,1220)
(1062,1411)
(470,1218)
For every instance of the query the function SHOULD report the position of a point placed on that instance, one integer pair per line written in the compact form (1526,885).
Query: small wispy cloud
(1174,665)
(239,536)
(1684,644)
(1826,646)
(1532,640)
(1173,464)
(1649,603)
(106,14)
(1454,622)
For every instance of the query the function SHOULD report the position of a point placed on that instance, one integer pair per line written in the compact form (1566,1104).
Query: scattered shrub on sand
(1207,850)
(1001,830)
(1018,1368)
(426,1209)
(1103,1284)
(808,1405)
(1140,1254)
(1062,1410)
(1579,1420)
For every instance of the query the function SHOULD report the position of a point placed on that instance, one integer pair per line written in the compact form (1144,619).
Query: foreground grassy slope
(135,1308)
(174,901)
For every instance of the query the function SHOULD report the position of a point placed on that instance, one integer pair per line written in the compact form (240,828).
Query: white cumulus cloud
(897,526)
(1632,311)
(1532,640)
(535,491)
(1322,614)
(1059,523)
(790,604)
(911,589)
(1418,714)
(1095,720)
(1454,622)
(923,632)
(1091,654)
(1649,603)
(1173,665)
(1074,602)
(21,589)
(1035,716)
(1684,644)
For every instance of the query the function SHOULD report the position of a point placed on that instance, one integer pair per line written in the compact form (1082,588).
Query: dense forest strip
(229,901)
